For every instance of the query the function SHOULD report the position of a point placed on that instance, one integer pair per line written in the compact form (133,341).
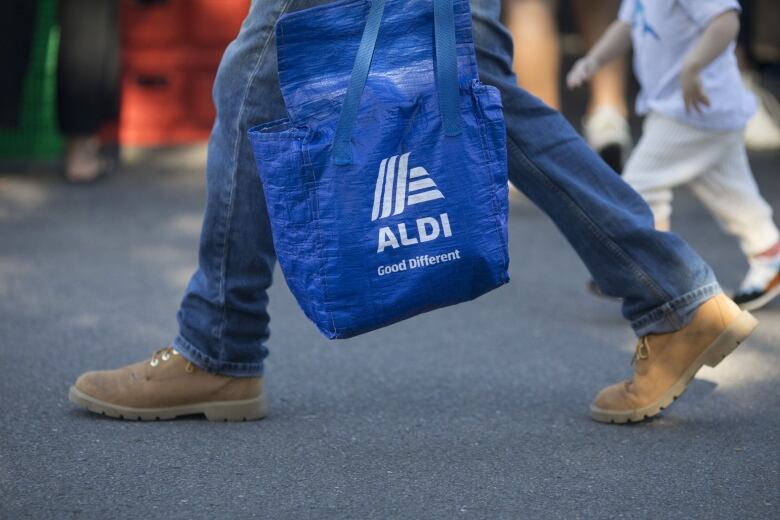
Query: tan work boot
(664,364)
(168,386)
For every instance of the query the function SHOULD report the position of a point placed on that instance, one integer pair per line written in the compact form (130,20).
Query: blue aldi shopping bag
(386,185)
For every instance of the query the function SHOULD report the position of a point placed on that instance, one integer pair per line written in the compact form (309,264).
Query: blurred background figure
(537,64)
(138,74)
(696,108)
(87,82)
(85,77)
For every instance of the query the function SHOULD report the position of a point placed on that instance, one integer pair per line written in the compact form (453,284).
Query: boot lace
(166,353)
(642,351)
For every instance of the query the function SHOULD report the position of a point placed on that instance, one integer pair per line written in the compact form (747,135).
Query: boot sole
(738,330)
(242,410)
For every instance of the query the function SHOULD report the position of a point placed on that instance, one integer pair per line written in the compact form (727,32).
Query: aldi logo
(398,187)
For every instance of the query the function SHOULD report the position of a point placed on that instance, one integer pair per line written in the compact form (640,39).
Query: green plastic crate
(37,136)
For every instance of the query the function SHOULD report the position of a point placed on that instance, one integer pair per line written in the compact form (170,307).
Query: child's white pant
(714,165)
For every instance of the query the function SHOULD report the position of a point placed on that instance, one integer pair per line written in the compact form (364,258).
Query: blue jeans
(223,320)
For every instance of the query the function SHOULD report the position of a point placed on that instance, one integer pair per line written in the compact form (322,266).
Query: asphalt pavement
(475,411)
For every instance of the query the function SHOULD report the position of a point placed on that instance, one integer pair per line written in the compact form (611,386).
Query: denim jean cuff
(209,364)
(675,314)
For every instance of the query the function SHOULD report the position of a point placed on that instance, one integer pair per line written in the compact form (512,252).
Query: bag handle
(446,75)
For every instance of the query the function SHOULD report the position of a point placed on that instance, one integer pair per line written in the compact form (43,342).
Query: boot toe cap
(95,384)
(612,398)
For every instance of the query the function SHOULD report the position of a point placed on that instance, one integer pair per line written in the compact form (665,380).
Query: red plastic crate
(171,52)
(153,23)
(166,97)
(215,23)
(152,110)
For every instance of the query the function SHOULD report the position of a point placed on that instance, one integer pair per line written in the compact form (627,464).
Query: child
(696,109)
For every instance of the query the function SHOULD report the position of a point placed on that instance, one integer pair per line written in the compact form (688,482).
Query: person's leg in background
(537,49)
(716,167)
(670,295)
(730,192)
(216,361)
(669,154)
(87,81)
(17,28)
(606,123)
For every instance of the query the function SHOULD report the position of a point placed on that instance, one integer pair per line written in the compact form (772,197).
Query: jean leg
(661,280)
(223,318)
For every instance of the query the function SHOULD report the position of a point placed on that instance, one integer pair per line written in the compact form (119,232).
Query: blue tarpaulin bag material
(387,184)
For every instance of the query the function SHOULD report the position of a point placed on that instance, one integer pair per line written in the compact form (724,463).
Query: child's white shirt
(663,32)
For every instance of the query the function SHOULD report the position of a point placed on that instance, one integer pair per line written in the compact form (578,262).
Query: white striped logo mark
(398,187)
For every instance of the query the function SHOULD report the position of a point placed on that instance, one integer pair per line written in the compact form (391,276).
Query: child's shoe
(608,133)
(762,283)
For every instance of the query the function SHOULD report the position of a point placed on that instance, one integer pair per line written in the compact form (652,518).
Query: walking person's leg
(669,154)
(670,295)
(730,192)
(716,167)
(217,359)
(537,49)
